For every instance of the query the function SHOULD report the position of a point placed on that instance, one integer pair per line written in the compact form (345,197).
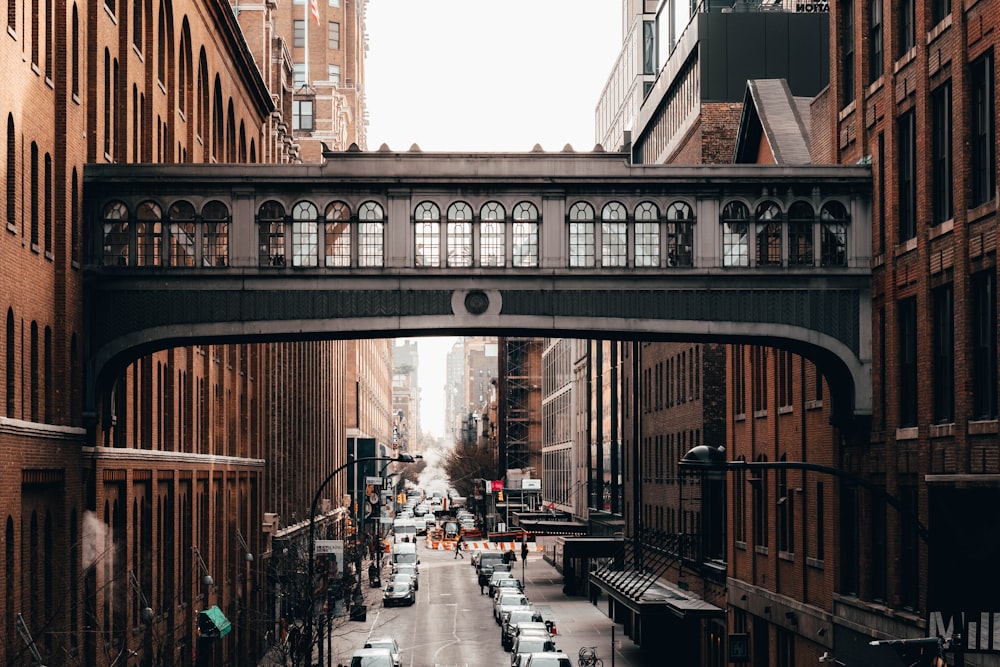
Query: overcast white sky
(484,75)
(488,75)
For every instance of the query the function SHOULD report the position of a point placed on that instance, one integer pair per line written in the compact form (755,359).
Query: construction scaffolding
(519,400)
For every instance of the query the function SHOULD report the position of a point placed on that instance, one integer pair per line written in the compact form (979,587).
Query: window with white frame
(491,234)
(614,235)
(305,234)
(371,233)
(524,237)
(337,234)
(768,234)
(647,235)
(581,235)
(427,234)
(680,234)
(459,234)
(735,234)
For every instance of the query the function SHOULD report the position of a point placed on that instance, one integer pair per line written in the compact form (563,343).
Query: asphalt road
(451,624)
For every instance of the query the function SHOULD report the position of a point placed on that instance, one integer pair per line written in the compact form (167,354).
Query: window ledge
(847,111)
(981,211)
(787,555)
(816,563)
(939,29)
(942,430)
(906,246)
(982,427)
(763,551)
(909,433)
(875,86)
(741,417)
(814,404)
(904,60)
(945,227)
(760,414)
(785,410)
(742,546)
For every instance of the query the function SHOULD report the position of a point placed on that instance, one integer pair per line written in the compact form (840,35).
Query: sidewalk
(578,621)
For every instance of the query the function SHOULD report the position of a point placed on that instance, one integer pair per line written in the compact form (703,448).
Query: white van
(404,552)
(404,530)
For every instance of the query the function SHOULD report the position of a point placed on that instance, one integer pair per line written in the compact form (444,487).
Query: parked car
(405,568)
(405,578)
(494,578)
(518,621)
(398,593)
(388,643)
(529,643)
(487,562)
(371,657)
(546,659)
(507,600)
(474,555)
(508,584)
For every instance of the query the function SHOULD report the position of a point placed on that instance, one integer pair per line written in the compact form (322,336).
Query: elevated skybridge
(391,244)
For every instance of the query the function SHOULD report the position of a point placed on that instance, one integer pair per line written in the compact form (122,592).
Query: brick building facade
(197,455)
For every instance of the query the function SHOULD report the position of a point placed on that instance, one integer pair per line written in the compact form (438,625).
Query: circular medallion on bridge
(477,302)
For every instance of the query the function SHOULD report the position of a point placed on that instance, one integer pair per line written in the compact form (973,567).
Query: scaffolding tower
(519,401)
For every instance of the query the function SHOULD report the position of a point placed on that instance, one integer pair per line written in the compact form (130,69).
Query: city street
(452,624)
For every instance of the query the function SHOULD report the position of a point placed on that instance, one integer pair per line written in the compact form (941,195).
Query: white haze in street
(432,478)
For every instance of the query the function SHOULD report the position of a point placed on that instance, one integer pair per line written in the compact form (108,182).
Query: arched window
(107,102)
(35,35)
(137,25)
(735,234)
(833,234)
(11,359)
(614,235)
(491,234)
(337,234)
(305,234)
(47,375)
(271,234)
(647,235)
(801,225)
(181,230)
(116,233)
(524,237)
(49,42)
(427,234)
(680,234)
(768,228)
(33,201)
(47,202)
(161,43)
(11,172)
(74,74)
(34,394)
(460,234)
(371,231)
(215,234)
(581,235)
(148,234)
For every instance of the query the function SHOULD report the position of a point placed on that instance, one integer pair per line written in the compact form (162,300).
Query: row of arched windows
(35,384)
(646,236)
(775,237)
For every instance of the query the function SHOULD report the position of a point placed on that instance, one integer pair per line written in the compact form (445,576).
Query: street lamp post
(402,458)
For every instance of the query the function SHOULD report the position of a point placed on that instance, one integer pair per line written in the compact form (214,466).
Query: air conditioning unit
(270,522)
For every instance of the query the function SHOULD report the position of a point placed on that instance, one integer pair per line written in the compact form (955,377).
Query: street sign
(374,481)
(329,546)
(739,648)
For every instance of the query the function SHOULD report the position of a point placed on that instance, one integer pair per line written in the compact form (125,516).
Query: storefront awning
(212,623)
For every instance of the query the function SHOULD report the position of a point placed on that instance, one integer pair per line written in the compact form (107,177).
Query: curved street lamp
(402,458)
